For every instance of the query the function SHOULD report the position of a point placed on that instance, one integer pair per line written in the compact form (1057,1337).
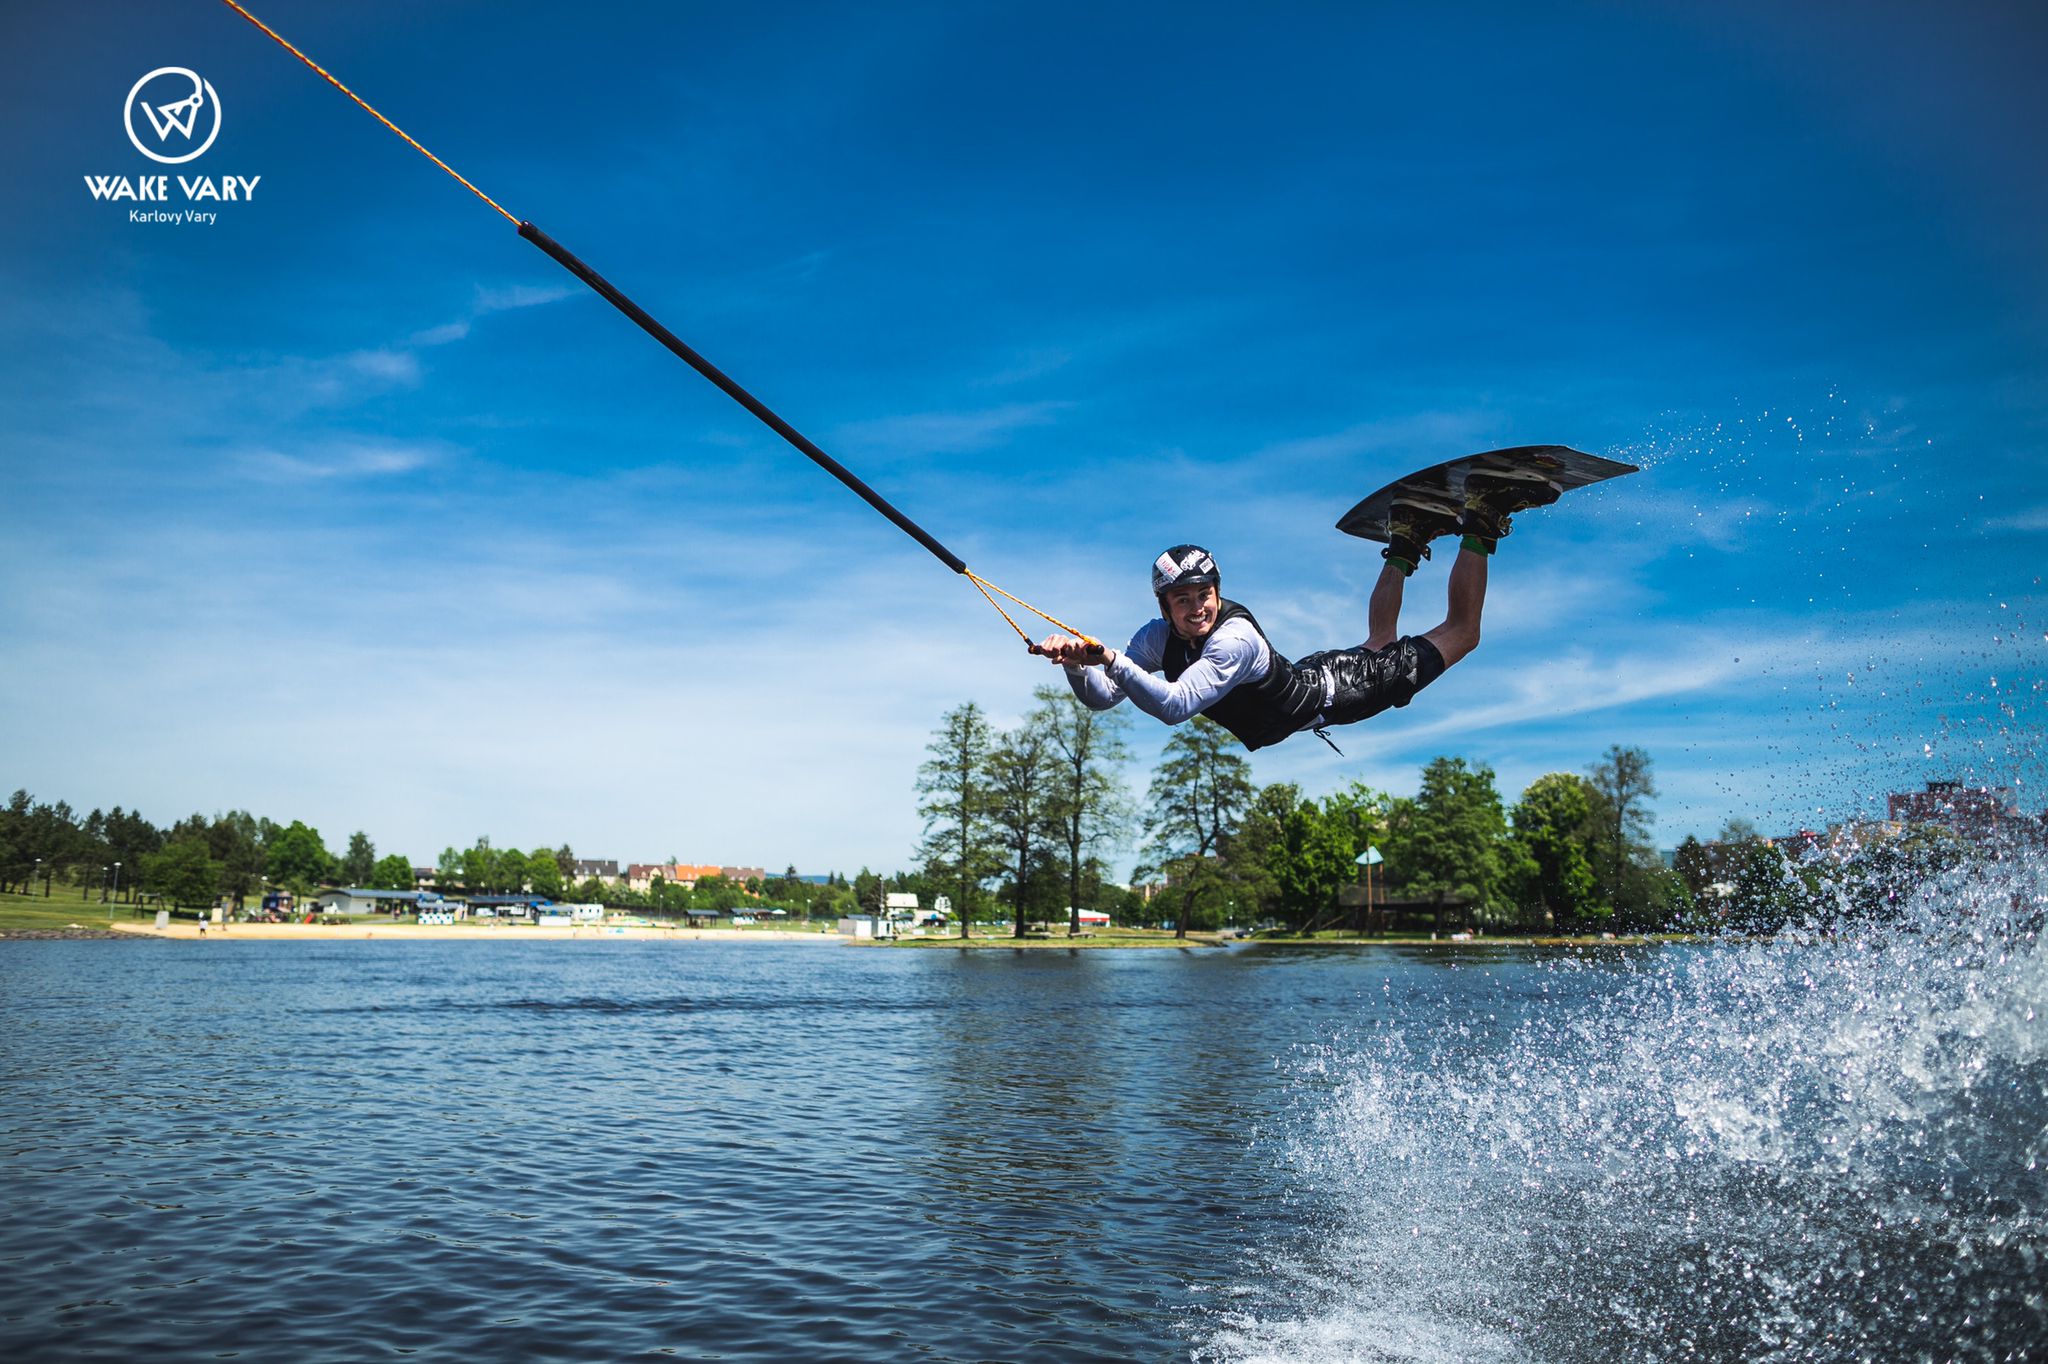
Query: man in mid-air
(1216,660)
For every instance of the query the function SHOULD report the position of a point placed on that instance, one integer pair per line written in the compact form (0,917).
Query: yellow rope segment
(323,71)
(985,587)
(981,584)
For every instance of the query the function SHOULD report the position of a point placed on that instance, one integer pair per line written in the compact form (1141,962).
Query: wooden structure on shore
(1371,913)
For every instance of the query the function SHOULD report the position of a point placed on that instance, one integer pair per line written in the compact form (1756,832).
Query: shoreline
(388,932)
(190,932)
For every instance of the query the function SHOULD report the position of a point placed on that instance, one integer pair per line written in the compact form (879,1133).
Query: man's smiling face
(1192,610)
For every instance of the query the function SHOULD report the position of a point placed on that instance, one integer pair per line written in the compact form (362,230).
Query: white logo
(176,115)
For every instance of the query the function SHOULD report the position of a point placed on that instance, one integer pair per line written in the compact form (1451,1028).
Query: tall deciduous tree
(480,867)
(1021,796)
(1199,793)
(544,873)
(360,859)
(183,872)
(391,872)
(960,848)
(1089,808)
(1448,840)
(1621,788)
(1550,821)
(298,859)
(236,841)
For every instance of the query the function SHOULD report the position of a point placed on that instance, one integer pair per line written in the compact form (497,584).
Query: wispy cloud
(389,366)
(1577,683)
(439,336)
(1423,437)
(342,460)
(491,299)
(2033,518)
(507,297)
(947,433)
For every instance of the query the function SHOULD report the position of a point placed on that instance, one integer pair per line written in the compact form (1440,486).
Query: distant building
(640,875)
(356,900)
(1973,812)
(604,872)
(689,873)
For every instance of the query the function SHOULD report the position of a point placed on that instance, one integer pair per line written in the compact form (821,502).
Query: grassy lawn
(61,910)
(1104,937)
(1411,938)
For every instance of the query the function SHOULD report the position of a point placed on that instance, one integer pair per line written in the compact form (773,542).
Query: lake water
(1808,1150)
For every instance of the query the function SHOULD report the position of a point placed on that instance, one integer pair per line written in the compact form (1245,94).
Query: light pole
(117,885)
(35,876)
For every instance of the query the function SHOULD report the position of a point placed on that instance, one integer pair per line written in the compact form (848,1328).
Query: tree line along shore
(1019,825)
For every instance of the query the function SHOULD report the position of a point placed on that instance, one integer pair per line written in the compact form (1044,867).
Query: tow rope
(646,322)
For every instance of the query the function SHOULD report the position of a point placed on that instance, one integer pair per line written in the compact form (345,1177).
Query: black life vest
(1259,713)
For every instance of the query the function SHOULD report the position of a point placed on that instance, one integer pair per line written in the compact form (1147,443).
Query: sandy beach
(475,932)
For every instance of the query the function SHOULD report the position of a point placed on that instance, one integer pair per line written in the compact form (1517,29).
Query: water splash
(1826,1146)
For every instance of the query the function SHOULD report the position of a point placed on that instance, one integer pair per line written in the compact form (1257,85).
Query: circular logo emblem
(178,104)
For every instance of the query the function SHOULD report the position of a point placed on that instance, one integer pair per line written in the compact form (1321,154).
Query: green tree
(511,870)
(1089,809)
(716,892)
(235,840)
(1199,793)
(360,859)
(391,872)
(961,847)
(1550,822)
(544,873)
(1768,893)
(1623,859)
(1293,857)
(298,859)
(480,867)
(1020,777)
(183,872)
(448,869)
(1449,840)
(1309,862)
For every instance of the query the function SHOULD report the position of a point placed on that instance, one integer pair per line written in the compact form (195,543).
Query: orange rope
(985,587)
(367,109)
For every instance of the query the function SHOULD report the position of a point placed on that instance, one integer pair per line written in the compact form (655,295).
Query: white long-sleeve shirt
(1233,654)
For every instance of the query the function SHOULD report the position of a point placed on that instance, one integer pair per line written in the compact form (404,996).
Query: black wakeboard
(1562,465)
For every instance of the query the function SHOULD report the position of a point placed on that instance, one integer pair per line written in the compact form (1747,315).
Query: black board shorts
(1368,681)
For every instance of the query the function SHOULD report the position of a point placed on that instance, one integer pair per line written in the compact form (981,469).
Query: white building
(355,900)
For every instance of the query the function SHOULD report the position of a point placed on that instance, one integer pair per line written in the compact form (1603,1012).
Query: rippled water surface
(340,1151)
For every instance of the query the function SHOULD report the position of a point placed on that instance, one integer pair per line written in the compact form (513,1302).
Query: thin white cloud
(1423,438)
(390,366)
(488,300)
(505,298)
(439,336)
(2033,518)
(947,433)
(341,461)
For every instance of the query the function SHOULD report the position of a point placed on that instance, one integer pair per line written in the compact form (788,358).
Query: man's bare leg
(1383,612)
(1459,634)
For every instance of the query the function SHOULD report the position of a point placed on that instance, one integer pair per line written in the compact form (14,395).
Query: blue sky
(352,507)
